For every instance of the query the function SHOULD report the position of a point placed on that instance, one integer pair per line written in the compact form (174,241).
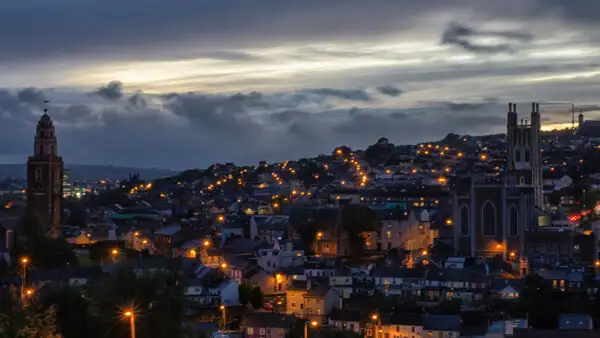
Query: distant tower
(45,176)
(573,116)
(524,151)
(580,119)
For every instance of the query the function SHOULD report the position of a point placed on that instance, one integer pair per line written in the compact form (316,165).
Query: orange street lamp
(374,317)
(223,265)
(131,316)
(114,253)
(223,308)
(24,262)
(206,243)
(313,324)
(424,253)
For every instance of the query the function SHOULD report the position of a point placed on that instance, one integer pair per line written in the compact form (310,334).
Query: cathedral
(45,176)
(491,215)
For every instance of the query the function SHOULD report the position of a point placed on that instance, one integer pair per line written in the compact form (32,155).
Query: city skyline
(311,77)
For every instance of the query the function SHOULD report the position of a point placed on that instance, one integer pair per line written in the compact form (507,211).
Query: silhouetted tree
(256,298)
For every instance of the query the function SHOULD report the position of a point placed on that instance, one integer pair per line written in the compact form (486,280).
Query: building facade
(491,215)
(45,176)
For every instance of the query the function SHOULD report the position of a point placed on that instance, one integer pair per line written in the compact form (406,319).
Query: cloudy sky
(186,83)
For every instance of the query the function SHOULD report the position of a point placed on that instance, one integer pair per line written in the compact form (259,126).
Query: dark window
(488,219)
(514,221)
(526,155)
(518,155)
(464,220)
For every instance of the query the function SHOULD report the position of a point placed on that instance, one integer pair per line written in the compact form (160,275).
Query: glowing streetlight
(424,253)
(223,265)
(131,316)
(223,308)
(24,262)
(206,243)
(114,253)
(313,324)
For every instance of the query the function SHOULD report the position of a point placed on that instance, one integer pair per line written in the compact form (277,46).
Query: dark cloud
(138,101)
(346,94)
(389,90)
(48,29)
(113,91)
(185,130)
(467,38)
(31,95)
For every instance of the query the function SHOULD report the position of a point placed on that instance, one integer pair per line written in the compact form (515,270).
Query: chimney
(10,236)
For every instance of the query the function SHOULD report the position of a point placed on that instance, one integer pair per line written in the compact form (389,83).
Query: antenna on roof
(573,116)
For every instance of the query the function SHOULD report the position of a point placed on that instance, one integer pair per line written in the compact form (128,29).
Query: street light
(223,308)
(131,316)
(114,253)
(375,317)
(24,262)
(313,324)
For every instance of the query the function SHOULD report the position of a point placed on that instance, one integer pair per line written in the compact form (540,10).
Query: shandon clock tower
(45,176)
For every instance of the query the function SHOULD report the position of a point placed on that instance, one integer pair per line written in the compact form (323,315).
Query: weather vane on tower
(46,105)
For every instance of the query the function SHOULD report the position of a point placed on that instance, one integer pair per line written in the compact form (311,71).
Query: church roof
(589,128)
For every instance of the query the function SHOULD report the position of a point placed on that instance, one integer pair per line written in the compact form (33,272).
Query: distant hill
(91,172)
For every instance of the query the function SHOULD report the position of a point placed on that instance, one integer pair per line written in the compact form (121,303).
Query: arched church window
(526,155)
(518,155)
(464,220)
(41,149)
(488,219)
(513,218)
(38,174)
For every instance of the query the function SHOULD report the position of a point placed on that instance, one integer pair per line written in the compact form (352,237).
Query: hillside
(90,172)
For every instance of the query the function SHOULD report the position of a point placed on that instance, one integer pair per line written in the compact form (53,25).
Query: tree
(33,321)
(244,292)
(309,230)
(356,220)
(256,298)
(72,311)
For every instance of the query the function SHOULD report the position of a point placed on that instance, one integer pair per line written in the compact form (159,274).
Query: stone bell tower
(45,176)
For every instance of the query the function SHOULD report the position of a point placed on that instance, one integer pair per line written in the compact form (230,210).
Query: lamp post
(28,293)
(314,323)
(114,253)
(375,318)
(131,316)
(24,262)
(224,312)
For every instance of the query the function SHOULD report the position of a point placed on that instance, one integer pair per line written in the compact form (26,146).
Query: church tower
(524,151)
(45,175)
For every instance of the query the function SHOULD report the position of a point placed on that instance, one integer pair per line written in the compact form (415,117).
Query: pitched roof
(268,320)
(442,323)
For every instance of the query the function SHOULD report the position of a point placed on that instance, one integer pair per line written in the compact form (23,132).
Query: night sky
(185,83)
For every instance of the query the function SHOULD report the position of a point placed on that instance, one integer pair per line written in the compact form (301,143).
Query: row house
(312,301)
(276,256)
(211,287)
(466,284)
(269,228)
